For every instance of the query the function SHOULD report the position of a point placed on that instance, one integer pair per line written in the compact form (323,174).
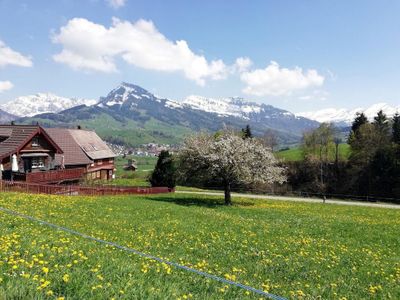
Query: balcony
(53,176)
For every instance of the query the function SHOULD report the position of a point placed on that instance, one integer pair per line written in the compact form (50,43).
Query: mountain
(5,117)
(131,115)
(345,116)
(28,106)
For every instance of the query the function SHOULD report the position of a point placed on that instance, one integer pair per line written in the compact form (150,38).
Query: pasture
(296,154)
(295,250)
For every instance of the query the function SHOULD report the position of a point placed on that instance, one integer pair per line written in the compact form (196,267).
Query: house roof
(91,144)
(18,136)
(73,154)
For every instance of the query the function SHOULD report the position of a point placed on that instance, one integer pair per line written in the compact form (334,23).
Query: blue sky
(297,55)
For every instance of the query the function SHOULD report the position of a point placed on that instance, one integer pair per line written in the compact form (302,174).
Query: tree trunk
(227,191)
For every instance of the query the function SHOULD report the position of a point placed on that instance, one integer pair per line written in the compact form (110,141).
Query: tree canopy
(231,158)
(164,173)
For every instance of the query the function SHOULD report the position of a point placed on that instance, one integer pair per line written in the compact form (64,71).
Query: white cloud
(11,57)
(242,64)
(5,85)
(277,81)
(93,47)
(116,3)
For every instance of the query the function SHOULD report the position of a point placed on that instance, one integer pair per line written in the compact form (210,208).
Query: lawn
(296,154)
(295,250)
(145,165)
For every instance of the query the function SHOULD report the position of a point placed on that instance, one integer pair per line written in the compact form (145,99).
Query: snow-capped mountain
(5,117)
(346,116)
(233,106)
(27,106)
(131,96)
(130,114)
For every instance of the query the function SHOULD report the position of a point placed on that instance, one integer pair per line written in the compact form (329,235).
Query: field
(295,154)
(295,250)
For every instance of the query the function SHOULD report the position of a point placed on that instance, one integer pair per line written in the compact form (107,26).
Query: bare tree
(230,158)
(269,139)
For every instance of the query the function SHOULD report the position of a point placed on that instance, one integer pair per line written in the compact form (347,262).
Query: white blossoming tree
(230,158)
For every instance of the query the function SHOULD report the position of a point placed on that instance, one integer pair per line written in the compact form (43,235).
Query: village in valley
(199,150)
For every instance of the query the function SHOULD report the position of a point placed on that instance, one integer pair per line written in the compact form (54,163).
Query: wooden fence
(59,189)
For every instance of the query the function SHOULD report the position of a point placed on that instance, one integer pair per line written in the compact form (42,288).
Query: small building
(34,154)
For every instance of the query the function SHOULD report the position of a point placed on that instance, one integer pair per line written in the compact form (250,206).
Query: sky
(297,55)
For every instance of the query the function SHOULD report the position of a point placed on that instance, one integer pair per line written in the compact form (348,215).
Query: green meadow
(292,249)
(296,154)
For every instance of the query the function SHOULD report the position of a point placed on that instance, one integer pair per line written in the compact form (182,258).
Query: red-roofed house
(83,148)
(53,155)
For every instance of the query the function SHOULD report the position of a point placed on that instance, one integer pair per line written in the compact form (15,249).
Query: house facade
(35,154)
(84,149)
(30,147)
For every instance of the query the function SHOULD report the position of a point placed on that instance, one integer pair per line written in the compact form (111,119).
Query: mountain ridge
(345,117)
(31,105)
(132,115)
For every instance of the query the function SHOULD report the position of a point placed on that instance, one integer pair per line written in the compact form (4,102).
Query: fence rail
(58,189)
(55,175)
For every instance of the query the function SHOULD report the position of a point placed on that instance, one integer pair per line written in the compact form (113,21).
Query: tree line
(371,170)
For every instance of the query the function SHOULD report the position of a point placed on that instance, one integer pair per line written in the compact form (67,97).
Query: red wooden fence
(58,189)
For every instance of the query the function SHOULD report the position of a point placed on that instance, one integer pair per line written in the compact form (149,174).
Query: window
(35,141)
(37,162)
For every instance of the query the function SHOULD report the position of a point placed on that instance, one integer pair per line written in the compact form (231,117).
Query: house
(30,147)
(35,154)
(83,149)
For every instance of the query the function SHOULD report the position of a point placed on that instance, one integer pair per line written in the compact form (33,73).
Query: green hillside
(296,154)
(127,132)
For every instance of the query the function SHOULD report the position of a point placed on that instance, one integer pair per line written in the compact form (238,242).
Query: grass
(145,165)
(296,250)
(296,154)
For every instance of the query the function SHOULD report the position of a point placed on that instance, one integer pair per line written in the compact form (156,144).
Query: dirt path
(298,199)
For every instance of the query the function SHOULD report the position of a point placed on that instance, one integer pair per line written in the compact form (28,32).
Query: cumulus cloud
(277,81)
(5,85)
(116,3)
(242,64)
(9,56)
(90,46)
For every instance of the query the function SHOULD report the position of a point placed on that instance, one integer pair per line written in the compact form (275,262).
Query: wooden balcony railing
(55,176)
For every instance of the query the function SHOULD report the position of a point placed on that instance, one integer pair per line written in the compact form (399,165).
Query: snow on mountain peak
(124,92)
(28,106)
(346,116)
(236,107)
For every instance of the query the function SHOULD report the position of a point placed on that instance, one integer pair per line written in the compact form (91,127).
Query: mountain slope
(129,114)
(5,117)
(27,106)
(345,116)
